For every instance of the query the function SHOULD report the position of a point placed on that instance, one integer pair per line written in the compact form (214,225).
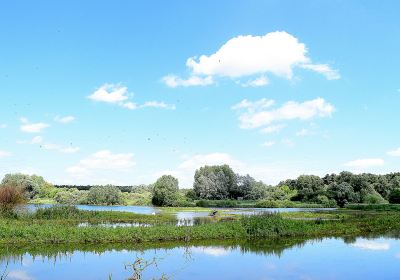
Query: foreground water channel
(329,258)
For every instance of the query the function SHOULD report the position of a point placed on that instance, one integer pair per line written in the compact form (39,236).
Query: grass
(374,207)
(58,225)
(72,215)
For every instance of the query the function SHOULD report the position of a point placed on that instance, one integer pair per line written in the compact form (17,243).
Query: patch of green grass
(373,207)
(59,225)
(183,209)
(72,215)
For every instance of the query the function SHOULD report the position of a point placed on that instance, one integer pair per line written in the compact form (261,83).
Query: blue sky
(124,91)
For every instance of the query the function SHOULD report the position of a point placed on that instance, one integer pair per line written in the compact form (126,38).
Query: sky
(122,92)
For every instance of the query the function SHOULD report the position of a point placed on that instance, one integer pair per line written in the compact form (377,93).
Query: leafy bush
(71,196)
(191,195)
(343,193)
(265,225)
(137,198)
(104,195)
(394,196)
(10,196)
(30,184)
(165,192)
(374,199)
(57,212)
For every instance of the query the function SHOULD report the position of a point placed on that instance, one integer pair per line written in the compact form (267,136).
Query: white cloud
(257,115)
(257,82)
(129,105)
(174,81)
(211,251)
(365,163)
(3,125)
(66,119)
(268,144)
(19,275)
(110,93)
(272,128)
(323,69)
(36,140)
(288,142)
(39,140)
(208,159)
(102,160)
(253,106)
(4,154)
(371,245)
(117,94)
(277,53)
(394,153)
(28,127)
(156,104)
(304,132)
(69,150)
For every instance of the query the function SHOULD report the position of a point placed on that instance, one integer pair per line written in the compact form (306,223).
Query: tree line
(218,183)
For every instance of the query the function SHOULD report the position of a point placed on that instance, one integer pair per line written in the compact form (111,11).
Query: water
(184,218)
(358,258)
(150,210)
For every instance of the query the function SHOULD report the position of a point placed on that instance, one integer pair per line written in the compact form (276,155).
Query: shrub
(374,199)
(202,203)
(71,196)
(104,195)
(137,198)
(191,195)
(394,196)
(10,196)
(57,212)
(165,192)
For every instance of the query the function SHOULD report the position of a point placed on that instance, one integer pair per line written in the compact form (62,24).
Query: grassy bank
(58,227)
(374,207)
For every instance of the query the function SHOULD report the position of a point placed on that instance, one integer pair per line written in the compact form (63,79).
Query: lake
(330,258)
(182,215)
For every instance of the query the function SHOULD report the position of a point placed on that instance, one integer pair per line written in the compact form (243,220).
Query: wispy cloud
(4,154)
(268,144)
(39,140)
(119,95)
(394,153)
(371,245)
(365,163)
(64,120)
(102,160)
(259,113)
(174,81)
(29,127)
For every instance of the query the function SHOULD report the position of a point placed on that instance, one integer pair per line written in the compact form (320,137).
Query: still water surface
(358,258)
(150,210)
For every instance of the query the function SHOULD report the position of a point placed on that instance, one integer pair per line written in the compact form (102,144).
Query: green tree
(32,184)
(215,182)
(343,193)
(165,191)
(394,196)
(308,187)
(108,195)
